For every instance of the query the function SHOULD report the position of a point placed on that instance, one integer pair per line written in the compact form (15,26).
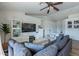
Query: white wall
(3,20)
(6,16)
(50,27)
(74,33)
(62,25)
(59,26)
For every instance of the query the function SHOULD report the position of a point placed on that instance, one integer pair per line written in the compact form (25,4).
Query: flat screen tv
(28,27)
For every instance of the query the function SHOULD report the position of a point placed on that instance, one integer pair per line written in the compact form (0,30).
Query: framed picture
(76,26)
(69,26)
(76,22)
(69,22)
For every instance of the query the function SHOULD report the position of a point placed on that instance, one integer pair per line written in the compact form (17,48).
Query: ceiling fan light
(41,3)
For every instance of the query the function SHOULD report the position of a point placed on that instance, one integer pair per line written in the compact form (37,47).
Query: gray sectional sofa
(60,47)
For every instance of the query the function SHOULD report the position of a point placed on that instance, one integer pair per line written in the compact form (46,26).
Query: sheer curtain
(1,49)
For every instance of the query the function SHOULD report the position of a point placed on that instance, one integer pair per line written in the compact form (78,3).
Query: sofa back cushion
(48,51)
(34,47)
(60,37)
(11,42)
(20,50)
(62,42)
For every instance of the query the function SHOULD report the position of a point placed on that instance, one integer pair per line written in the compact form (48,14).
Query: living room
(26,23)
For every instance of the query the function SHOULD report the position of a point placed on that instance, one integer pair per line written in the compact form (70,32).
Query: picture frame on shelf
(16,28)
(16,32)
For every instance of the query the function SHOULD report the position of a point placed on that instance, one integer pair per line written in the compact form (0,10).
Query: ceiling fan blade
(55,8)
(57,3)
(42,3)
(48,11)
(47,2)
(43,8)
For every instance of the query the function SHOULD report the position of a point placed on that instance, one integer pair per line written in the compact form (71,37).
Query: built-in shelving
(16,28)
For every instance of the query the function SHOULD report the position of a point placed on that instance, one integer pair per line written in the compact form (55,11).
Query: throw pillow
(34,47)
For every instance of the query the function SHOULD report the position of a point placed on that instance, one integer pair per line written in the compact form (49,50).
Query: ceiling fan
(51,4)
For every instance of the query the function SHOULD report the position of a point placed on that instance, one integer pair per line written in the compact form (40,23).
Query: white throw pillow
(34,47)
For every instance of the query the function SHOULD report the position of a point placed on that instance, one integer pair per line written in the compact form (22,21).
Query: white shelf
(16,31)
(16,28)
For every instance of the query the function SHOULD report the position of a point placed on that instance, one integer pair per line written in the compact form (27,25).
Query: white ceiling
(34,7)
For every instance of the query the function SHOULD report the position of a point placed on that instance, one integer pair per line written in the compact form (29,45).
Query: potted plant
(5,28)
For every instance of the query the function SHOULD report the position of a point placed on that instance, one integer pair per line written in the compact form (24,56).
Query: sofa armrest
(10,51)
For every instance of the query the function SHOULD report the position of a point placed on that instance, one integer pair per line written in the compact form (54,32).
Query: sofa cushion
(11,42)
(66,50)
(62,42)
(60,37)
(48,51)
(20,50)
(34,47)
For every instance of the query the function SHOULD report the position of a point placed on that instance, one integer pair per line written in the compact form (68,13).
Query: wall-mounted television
(28,27)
